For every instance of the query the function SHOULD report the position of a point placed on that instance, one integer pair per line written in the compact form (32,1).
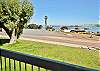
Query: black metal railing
(16,61)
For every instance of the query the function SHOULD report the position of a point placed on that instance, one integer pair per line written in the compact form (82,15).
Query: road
(59,37)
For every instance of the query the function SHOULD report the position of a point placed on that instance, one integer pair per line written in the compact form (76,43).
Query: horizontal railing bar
(42,62)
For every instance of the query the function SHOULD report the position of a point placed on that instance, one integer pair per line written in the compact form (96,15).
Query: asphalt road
(59,37)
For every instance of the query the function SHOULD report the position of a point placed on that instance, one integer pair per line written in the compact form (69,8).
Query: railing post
(1,62)
(5,63)
(14,65)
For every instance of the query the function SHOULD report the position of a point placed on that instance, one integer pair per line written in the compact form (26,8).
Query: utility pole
(46,17)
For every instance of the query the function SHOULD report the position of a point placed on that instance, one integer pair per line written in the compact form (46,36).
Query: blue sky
(66,12)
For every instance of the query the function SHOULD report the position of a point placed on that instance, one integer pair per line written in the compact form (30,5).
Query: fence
(16,61)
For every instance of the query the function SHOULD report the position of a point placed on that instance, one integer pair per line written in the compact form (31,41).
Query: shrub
(50,28)
(64,27)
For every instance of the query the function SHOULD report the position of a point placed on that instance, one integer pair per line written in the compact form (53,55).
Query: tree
(32,26)
(97,25)
(50,28)
(14,14)
(64,27)
(40,26)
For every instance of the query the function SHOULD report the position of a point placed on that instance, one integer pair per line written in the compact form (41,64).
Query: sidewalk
(53,42)
(46,41)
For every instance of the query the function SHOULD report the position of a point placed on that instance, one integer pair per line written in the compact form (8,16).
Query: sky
(66,12)
(99,11)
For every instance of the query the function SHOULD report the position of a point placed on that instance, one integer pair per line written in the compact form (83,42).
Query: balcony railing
(16,61)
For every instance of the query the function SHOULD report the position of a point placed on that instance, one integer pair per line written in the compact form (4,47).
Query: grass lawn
(83,57)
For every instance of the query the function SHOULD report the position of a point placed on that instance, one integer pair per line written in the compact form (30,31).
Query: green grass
(83,57)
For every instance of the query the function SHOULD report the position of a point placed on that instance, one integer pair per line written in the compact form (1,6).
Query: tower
(46,17)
